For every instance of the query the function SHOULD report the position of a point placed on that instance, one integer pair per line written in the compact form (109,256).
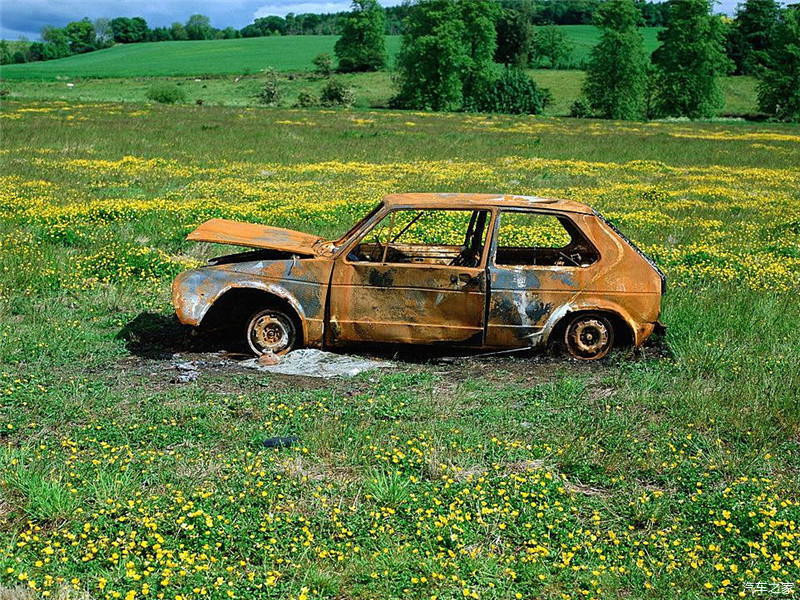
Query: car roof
(473,201)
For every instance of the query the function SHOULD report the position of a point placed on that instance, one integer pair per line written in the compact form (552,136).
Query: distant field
(211,57)
(229,57)
(585,37)
(372,90)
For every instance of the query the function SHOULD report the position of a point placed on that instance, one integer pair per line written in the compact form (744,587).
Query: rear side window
(530,238)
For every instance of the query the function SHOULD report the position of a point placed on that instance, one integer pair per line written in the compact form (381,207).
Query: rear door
(418,276)
(539,262)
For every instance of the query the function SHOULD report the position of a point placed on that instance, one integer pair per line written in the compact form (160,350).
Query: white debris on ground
(187,372)
(308,362)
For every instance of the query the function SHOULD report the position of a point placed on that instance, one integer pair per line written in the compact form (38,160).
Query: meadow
(668,473)
(371,90)
(234,57)
(230,73)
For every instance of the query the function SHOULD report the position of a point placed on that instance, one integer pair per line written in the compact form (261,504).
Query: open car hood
(235,233)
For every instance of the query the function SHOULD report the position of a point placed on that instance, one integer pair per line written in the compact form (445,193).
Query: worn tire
(589,336)
(271,329)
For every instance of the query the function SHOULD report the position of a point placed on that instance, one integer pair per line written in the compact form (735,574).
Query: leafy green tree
(5,53)
(160,34)
(433,57)
(56,42)
(752,33)
(551,47)
(264,26)
(81,36)
(198,27)
(178,31)
(129,31)
(442,56)
(689,61)
(479,18)
(779,88)
(514,37)
(616,78)
(362,46)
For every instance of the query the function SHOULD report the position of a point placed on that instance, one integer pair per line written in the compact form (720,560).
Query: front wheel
(271,330)
(589,336)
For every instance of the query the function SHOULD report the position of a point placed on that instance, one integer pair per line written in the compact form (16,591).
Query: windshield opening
(358,225)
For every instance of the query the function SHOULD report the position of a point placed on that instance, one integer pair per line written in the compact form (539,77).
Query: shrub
(580,109)
(323,64)
(306,99)
(514,92)
(271,92)
(166,93)
(336,93)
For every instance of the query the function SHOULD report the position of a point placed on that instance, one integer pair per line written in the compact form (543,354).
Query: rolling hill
(227,57)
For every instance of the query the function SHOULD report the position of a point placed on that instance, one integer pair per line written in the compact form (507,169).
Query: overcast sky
(27,17)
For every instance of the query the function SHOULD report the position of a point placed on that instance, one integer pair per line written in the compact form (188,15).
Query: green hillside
(585,37)
(207,57)
(225,57)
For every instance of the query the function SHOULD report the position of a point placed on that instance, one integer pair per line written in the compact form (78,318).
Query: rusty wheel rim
(589,338)
(270,331)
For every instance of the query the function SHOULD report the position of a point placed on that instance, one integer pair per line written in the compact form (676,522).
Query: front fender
(194,292)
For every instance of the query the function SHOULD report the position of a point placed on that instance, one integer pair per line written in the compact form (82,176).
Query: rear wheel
(589,336)
(271,330)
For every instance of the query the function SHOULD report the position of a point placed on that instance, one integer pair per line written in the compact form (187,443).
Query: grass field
(230,57)
(372,90)
(674,473)
(209,57)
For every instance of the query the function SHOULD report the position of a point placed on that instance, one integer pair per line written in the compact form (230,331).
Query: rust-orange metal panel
(340,300)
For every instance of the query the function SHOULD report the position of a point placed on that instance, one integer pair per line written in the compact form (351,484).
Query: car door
(538,262)
(403,281)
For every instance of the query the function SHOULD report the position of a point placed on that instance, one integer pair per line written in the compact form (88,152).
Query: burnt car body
(477,270)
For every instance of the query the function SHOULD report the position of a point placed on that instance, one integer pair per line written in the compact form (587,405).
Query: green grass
(585,37)
(674,473)
(214,57)
(228,57)
(371,89)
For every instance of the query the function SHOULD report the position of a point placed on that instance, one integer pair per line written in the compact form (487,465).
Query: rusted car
(475,270)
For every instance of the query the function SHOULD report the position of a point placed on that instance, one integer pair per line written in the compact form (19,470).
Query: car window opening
(427,237)
(540,239)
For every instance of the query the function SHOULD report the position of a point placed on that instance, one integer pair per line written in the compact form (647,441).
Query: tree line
(84,35)
(450,50)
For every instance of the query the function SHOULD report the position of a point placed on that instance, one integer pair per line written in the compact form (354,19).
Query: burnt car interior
(432,237)
(541,239)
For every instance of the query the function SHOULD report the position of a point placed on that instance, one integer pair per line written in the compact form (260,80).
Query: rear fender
(640,333)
